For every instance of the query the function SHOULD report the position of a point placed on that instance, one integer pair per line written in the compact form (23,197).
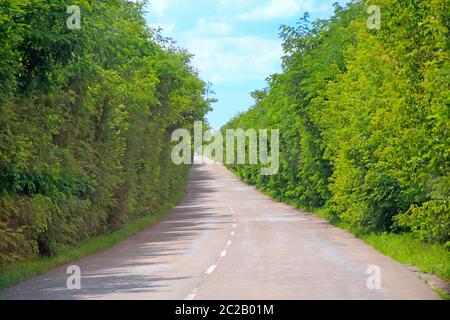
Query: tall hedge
(364,118)
(85,124)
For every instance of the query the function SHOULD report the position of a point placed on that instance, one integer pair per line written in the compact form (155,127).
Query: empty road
(226,240)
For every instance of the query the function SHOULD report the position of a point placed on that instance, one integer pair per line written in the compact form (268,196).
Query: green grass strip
(430,258)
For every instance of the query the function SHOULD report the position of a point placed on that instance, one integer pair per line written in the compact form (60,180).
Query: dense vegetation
(86,117)
(363,116)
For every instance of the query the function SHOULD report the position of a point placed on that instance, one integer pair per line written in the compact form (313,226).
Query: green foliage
(429,222)
(86,117)
(12,274)
(363,116)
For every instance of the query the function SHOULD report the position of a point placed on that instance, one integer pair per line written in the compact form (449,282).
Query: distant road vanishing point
(226,240)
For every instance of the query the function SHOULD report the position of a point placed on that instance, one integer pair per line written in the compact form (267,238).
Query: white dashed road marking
(211,269)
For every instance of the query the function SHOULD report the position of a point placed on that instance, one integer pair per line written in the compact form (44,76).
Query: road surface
(226,240)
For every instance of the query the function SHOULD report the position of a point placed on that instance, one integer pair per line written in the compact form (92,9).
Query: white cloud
(237,5)
(275,9)
(159,6)
(212,28)
(234,59)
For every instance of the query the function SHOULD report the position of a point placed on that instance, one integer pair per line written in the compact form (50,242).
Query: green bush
(86,118)
(429,221)
(363,117)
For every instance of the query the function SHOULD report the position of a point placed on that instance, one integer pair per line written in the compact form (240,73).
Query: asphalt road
(226,240)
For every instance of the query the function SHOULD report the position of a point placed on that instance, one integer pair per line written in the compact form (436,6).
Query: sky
(235,43)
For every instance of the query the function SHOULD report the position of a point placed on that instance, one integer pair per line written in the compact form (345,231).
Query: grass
(16,273)
(430,258)
(441,294)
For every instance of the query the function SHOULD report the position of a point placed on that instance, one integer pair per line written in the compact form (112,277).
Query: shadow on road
(139,260)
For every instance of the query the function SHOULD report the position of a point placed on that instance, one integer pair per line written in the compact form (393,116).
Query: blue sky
(235,42)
